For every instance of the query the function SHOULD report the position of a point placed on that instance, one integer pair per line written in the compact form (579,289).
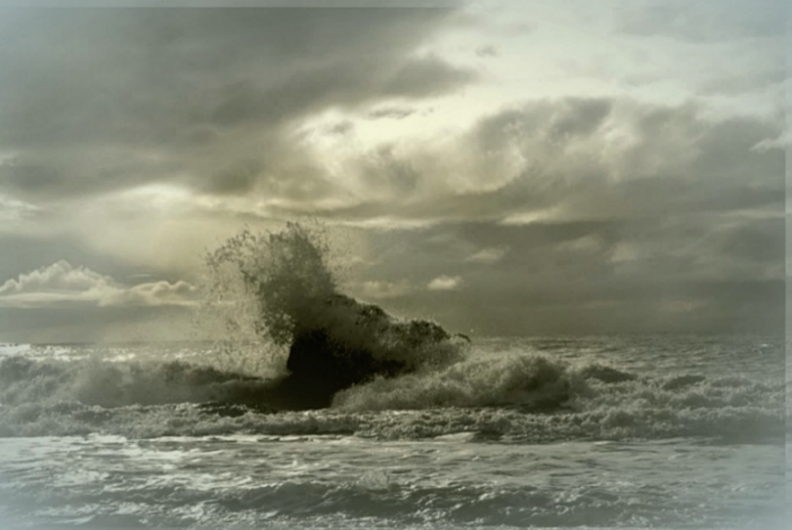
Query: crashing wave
(334,341)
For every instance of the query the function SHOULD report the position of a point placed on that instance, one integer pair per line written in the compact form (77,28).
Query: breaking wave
(114,384)
(518,398)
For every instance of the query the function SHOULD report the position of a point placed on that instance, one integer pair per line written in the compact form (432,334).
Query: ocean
(562,432)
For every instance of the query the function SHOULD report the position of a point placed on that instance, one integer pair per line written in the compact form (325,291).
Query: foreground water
(662,432)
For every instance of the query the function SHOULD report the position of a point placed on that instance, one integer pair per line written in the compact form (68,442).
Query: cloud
(705,21)
(159,133)
(488,255)
(215,102)
(445,283)
(784,141)
(567,160)
(395,113)
(62,283)
(341,128)
(206,98)
(13,210)
(614,275)
(487,51)
(384,289)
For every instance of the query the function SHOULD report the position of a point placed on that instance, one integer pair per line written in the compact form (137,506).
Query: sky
(504,167)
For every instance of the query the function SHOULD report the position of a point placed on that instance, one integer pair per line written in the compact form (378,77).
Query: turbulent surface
(341,482)
(527,391)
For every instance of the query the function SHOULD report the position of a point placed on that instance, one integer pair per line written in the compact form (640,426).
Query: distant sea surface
(613,432)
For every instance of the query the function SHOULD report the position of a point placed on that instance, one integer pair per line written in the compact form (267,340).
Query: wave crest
(530,382)
(113,384)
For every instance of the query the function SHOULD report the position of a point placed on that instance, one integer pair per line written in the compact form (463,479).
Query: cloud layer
(569,160)
(521,169)
(62,283)
(206,98)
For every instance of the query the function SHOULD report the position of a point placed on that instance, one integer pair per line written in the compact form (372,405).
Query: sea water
(654,432)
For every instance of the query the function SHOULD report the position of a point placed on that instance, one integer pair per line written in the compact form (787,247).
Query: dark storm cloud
(553,120)
(168,92)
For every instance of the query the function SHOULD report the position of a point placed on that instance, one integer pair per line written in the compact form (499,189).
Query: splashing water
(277,275)
(278,288)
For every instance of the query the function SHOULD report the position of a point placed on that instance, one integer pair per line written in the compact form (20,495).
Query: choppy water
(662,432)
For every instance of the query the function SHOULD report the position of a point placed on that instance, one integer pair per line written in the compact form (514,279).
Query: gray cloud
(62,283)
(395,113)
(488,255)
(595,277)
(579,159)
(95,100)
(707,21)
(760,81)
(617,215)
(13,210)
(342,128)
(240,177)
(564,215)
(487,51)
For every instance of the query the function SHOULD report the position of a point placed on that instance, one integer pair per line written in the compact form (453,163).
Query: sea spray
(270,280)
(25,381)
(278,288)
